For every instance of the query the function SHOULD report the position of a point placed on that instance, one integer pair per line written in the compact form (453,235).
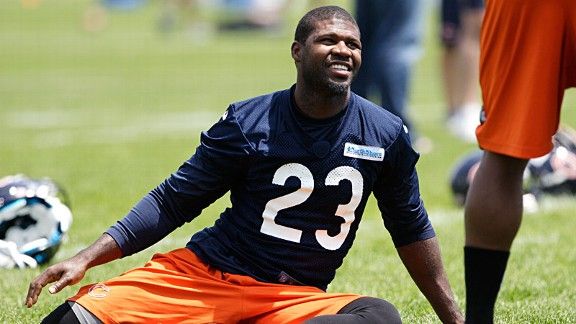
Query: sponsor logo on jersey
(99,290)
(371,153)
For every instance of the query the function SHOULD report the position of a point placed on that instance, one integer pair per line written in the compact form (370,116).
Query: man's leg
(460,68)
(391,40)
(62,314)
(363,82)
(70,313)
(362,310)
(399,46)
(493,214)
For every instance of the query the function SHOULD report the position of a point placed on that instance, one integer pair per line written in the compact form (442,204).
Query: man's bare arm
(424,263)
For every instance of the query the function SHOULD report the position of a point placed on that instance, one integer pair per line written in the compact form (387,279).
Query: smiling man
(300,165)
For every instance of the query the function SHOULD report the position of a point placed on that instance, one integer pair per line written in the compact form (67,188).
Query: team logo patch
(99,290)
(371,153)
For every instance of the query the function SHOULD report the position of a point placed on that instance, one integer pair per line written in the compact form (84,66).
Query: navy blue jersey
(298,188)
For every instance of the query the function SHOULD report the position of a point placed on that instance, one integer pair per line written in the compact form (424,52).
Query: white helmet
(552,174)
(555,172)
(34,218)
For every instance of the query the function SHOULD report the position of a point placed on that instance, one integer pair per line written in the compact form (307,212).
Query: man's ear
(296,50)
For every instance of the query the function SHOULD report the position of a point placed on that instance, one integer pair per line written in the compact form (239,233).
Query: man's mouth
(341,67)
(340,70)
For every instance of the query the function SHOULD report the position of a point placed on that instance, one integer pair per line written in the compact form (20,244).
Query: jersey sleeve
(398,195)
(219,160)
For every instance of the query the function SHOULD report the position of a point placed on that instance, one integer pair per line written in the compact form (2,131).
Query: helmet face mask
(32,216)
(555,172)
(552,174)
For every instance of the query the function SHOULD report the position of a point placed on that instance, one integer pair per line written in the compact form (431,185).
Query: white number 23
(334,177)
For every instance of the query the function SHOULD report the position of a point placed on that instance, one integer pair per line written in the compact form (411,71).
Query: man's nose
(342,49)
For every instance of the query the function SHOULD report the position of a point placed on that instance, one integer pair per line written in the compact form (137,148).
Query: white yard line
(63,128)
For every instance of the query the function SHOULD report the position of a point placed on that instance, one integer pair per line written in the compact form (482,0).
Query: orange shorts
(527,60)
(177,287)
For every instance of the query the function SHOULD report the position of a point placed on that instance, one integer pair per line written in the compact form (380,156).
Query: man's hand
(71,271)
(65,273)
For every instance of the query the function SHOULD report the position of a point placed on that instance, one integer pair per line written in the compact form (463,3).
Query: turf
(110,114)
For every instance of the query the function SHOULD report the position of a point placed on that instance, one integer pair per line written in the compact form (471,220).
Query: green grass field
(110,114)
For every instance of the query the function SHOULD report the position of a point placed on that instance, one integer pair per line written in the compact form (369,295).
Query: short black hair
(307,23)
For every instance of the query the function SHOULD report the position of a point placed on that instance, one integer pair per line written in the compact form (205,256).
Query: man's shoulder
(261,101)
(376,114)
(258,115)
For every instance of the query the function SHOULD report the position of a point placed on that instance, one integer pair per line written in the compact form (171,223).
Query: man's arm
(72,270)
(424,263)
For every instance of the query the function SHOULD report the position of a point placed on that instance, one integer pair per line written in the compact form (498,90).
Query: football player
(527,57)
(300,165)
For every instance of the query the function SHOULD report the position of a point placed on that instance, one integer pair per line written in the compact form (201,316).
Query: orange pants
(177,287)
(527,60)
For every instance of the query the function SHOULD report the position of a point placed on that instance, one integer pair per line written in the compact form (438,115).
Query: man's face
(330,57)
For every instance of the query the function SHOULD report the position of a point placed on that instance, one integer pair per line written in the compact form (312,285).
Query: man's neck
(320,105)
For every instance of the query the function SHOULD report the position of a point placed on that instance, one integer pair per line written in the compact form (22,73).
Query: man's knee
(71,313)
(373,310)
(62,314)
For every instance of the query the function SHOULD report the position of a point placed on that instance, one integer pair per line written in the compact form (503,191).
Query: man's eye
(353,45)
